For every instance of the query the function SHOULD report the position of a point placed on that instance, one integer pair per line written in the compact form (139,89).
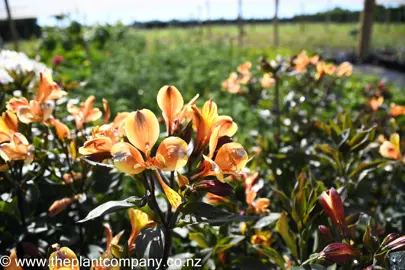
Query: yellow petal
(142,129)
(174,152)
(138,220)
(63,258)
(182,180)
(228,126)
(213,141)
(172,196)
(210,112)
(171,102)
(231,158)
(127,158)
(394,139)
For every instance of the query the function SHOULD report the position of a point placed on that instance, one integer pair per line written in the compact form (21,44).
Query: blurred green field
(295,37)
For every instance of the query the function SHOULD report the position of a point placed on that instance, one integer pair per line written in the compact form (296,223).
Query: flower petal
(127,158)
(228,126)
(174,152)
(142,129)
(172,196)
(171,102)
(231,158)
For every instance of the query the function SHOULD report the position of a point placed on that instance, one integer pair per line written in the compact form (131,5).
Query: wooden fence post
(366,26)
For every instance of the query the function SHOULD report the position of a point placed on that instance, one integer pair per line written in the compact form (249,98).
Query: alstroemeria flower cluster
(131,139)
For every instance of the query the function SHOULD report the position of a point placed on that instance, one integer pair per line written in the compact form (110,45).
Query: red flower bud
(338,253)
(325,232)
(333,206)
(396,244)
(215,187)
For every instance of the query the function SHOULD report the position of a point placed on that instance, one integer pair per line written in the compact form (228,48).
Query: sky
(127,11)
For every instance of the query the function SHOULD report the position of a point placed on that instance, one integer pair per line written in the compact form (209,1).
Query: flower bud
(338,253)
(325,232)
(333,206)
(215,187)
(389,238)
(396,244)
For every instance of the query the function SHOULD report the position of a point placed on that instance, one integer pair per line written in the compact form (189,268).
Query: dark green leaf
(113,206)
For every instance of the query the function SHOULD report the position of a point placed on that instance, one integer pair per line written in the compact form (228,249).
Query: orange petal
(127,158)
(15,103)
(99,145)
(171,102)
(261,205)
(62,131)
(375,103)
(344,69)
(174,152)
(228,126)
(46,86)
(231,158)
(142,129)
(10,120)
(172,196)
(182,180)
(107,112)
(93,115)
(397,110)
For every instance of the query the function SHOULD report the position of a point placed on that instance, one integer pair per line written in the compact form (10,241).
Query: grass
(296,37)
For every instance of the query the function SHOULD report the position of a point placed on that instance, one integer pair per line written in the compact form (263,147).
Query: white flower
(19,63)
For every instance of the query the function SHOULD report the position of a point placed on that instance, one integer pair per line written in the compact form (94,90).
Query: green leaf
(227,243)
(309,267)
(199,238)
(366,166)
(207,213)
(290,239)
(285,201)
(272,254)
(113,206)
(266,221)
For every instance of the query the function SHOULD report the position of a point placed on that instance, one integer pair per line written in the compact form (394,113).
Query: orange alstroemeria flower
(314,60)
(244,71)
(230,158)
(260,205)
(267,80)
(324,69)
(301,62)
(99,146)
(17,149)
(107,112)
(39,109)
(207,120)
(232,84)
(142,130)
(85,113)
(171,102)
(397,110)
(391,149)
(344,69)
(138,220)
(63,258)
(376,102)
(261,238)
(8,126)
